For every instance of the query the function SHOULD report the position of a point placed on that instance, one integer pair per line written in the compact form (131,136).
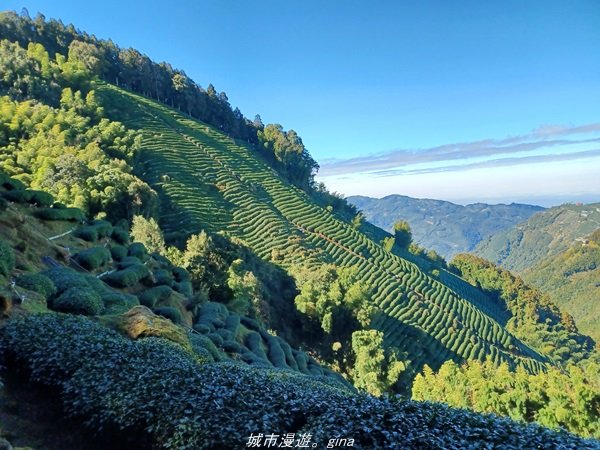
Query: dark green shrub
(70,214)
(164,276)
(38,283)
(225,334)
(18,196)
(128,277)
(170,313)
(232,323)
(38,198)
(202,344)
(128,261)
(10,184)
(184,288)
(79,301)
(216,338)
(118,252)
(103,227)
(120,235)
(42,199)
(3,204)
(93,258)
(138,250)
(253,342)
(181,274)
(276,354)
(118,303)
(87,233)
(232,347)
(7,259)
(204,328)
(155,389)
(150,297)
(59,205)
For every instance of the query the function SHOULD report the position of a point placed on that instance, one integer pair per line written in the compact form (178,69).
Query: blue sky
(459,100)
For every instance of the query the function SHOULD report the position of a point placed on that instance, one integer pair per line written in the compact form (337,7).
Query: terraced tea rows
(211,182)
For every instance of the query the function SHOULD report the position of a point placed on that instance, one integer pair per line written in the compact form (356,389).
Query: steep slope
(206,180)
(443,226)
(141,381)
(572,279)
(545,234)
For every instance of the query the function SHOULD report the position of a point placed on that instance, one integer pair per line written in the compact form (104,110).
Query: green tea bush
(93,258)
(37,282)
(155,390)
(184,288)
(87,233)
(39,198)
(150,297)
(128,277)
(120,235)
(138,250)
(129,261)
(67,214)
(103,227)
(232,347)
(3,204)
(76,300)
(118,303)
(164,277)
(118,252)
(216,338)
(7,259)
(10,184)
(18,196)
(181,274)
(170,313)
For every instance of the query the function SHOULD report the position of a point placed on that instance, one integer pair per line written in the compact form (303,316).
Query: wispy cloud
(397,162)
(501,162)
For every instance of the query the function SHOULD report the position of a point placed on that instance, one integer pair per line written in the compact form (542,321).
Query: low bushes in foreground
(165,394)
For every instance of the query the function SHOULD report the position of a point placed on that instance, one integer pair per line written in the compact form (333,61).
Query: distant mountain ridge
(440,225)
(545,234)
(558,251)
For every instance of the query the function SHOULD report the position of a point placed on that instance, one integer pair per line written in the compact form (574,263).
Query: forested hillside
(191,266)
(547,233)
(443,226)
(556,251)
(572,279)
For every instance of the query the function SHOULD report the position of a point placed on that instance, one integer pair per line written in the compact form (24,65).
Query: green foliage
(118,303)
(38,283)
(151,297)
(402,234)
(11,184)
(61,142)
(147,232)
(38,198)
(170,313)
(128,277)
(118,252)
(76,300)
(375,370)
(138,250)
(571,279)
(156,391)
(567,399)
(290,156)
(70,214)
(120,235)
(87,233)
(93,258)
(7,259)
(245,288)
(535,319)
